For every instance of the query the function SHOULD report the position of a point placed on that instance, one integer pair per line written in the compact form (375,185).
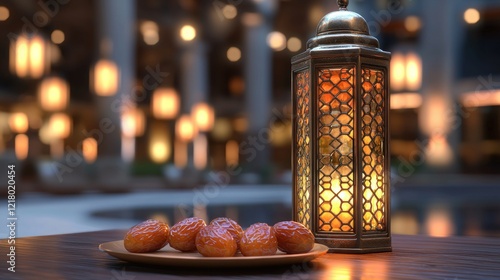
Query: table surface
(76,256)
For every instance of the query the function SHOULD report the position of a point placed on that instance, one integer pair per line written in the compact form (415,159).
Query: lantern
(340,128)
(105,78)
(53,94)
(165,103)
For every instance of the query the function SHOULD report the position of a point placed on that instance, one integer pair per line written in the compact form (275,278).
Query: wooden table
(76,256)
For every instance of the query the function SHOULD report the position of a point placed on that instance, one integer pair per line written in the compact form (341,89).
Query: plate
(171,257)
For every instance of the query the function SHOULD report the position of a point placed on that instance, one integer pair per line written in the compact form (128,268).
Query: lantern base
(359,250)
(356,246)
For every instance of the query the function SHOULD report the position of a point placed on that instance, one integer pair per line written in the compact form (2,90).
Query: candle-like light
(133,122)
(89,149)
(21,146)
(105,78)
(180,154)
(165,103)
(232,153)
(60,125)
(413,72)
(57,148)
(18,122)
(203,116)
(28,56)
(185,129)
(53,94)
(200,153)
(159,143)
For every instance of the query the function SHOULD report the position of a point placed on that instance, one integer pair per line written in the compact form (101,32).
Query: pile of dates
(223,237)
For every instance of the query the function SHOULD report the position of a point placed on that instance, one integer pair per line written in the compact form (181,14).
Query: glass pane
(372,133)
(303,97)
(335,158)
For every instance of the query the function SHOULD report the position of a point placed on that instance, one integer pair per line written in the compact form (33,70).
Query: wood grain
(76,256)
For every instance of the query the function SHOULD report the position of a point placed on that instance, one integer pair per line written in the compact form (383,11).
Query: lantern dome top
(342,22)
(343,27)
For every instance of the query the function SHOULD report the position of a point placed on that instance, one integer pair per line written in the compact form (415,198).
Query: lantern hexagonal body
(340,152)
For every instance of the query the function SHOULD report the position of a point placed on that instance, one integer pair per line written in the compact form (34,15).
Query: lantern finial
(343,4)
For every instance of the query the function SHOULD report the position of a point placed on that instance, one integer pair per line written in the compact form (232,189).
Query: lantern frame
(343,47)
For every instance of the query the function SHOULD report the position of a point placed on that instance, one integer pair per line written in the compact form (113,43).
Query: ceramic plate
(172,257)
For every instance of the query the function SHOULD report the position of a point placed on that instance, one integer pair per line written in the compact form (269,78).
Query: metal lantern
(340,149)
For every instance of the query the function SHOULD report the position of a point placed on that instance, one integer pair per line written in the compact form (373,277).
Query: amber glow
(439,222)
(159,143)
(406,101)
(28,56)
(433,116)
(89,149)
(21,146)
(185,129)
(481,98)
(472,16)
(200,152)
(180,154)
(53,94)
(439,152)
(149,30)
(133,122)
(339,270)
(188,33)
(412,23)
(232,153)
(18,122)
(413,72)
(165,103)
(105,78)
(60,125)
(203,116)
(276,41)
(4,13)
(57,36)
(398,71)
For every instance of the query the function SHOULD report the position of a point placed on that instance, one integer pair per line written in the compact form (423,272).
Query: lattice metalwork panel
(372,136)
(335,153)
(303,178)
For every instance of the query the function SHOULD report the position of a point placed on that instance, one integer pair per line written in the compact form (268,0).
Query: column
(116,22)
(439,48)
(258,81)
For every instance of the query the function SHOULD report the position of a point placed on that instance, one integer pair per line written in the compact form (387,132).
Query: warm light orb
(149,30)
(232,153)
(133,122)
(37,57)
(413,23)
(4,13)
(200,152)
(203,116)
(21,143)
(294,44)
(229,11)
(472,16)
(406,101)
(60,125)
(233,54)
(413,72)
(188,33)
(185,128)
(89,149)
(18,122)
(105,78)
(276,40)
(57,36)
(29,56)
(398,68)
(159,144)
(53,94)
(165,103)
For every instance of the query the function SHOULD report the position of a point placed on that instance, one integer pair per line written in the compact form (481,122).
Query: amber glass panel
(303,183)
(335,153)
(372,133)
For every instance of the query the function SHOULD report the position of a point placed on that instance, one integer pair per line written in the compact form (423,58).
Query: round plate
(172,257)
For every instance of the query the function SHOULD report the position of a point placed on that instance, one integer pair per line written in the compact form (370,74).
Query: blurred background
(114,111)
